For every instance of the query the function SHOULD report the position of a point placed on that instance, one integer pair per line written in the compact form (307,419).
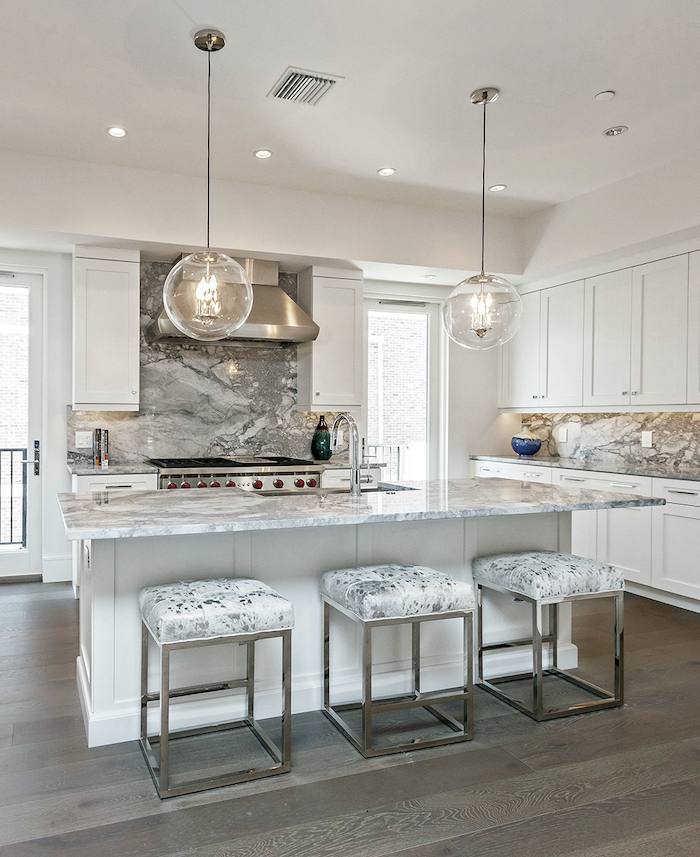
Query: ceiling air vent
(303,86)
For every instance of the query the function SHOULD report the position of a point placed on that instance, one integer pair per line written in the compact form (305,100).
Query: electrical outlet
(648,439)
(83,439)
(562,434)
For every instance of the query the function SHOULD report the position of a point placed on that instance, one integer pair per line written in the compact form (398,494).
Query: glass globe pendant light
(207,295)
(485,310)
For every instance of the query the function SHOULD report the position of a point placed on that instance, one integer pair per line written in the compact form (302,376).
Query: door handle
(36,461)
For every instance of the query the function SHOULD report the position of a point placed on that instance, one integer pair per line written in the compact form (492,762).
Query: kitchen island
(134,539)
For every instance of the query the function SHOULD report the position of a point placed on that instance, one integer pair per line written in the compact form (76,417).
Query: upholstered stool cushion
(202,609)
(547,574)
(395,591)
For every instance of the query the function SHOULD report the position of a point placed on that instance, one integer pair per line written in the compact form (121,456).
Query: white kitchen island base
(291,561)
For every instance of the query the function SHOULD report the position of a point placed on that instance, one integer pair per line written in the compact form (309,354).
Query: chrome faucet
(355,463)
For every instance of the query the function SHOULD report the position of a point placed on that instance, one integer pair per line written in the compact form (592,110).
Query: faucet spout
(355,462)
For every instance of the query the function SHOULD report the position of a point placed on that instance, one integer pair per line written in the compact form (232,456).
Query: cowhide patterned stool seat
(548,579)
(380,595)
(209,613)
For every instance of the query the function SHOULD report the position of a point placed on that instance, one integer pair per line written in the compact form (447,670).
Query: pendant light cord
(483,188)
(209,137)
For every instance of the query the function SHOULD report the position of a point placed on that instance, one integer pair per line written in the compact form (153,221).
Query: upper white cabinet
(607,338)
(542,365)
(330,368)
(630,358)
(105,329)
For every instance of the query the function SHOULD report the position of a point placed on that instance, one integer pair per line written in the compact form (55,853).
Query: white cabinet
(542,366)
(105,329)
(330,368)
(524,472)
(676,538)
(340,477)
(630,355)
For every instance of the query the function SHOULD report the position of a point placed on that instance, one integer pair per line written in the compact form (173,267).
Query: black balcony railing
(13,497)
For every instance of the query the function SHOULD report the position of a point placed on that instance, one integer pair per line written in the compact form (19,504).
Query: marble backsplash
(204,400)
(618,437)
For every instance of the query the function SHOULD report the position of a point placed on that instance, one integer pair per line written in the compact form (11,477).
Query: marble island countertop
(124,514)
(664,471)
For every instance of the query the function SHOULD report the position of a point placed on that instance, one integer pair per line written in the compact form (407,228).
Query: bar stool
(380,595)
(548,579)
(209,613)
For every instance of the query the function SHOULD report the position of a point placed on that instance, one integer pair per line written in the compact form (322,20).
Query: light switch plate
(648,439)
(83,439)
(563,434)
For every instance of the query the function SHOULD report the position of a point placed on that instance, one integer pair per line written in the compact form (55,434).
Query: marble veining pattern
(547,574)
(396,591)
(203,609)
(203,399)
(617,437)
(124,514)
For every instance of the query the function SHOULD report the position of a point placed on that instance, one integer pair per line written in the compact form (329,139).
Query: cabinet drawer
(140,482)
(617,484)
(677,491)
(522,472)
(341,478)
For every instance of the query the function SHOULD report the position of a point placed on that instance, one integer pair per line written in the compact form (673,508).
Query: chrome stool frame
(606,698)
(416,699)
(156,749)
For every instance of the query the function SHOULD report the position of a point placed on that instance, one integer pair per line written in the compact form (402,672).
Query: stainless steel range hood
(275,318)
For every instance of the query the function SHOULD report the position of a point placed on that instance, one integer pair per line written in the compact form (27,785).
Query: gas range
(267,474)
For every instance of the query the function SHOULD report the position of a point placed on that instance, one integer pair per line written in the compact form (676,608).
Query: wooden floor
(624,782)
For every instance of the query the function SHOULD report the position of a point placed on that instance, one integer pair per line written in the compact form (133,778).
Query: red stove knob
(311,483)
(185,485)
(216,485)
(201,484)
(278,483)
(171,485)
(258,484)
(230,484)
(299,483)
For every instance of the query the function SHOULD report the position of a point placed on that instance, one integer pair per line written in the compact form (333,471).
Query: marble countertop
(126,514)
(113,469)
(665,471)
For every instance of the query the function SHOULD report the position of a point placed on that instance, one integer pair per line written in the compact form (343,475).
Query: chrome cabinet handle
(678,491)
(625,484)
(625,392)
(572,479)
(634,392)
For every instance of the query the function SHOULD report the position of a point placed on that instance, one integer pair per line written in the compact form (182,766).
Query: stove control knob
(216,485)
(185,485)
(299,483)
(311,483)
(201,484)
(278,483)
(258,484)
(171,485)
(230,484)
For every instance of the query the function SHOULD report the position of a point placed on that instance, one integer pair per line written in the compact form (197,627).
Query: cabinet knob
(133,392)
(318,394)
(625,392)
(634,392)
(535,397)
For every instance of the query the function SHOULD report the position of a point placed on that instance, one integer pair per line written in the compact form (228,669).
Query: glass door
(403,424)
(20,423)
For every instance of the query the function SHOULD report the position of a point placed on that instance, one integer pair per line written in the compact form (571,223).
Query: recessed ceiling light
(386,171)
(428,277)
(606,95)
(263,153)
(496,187)
(115,131)
(615,130)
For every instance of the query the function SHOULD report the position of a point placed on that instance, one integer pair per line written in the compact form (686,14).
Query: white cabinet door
(676,548)
(693,395)
(607,339)
(624,540)
(520,369)
(561,346)
(105,334)
(659,355)
(330,368)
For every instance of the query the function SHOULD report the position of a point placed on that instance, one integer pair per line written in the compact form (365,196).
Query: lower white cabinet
(676,538)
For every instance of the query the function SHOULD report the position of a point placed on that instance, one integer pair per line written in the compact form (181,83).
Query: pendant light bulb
(482,311)
(207,295)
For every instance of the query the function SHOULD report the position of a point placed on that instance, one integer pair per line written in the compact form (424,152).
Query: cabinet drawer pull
(534,475)
(112,487)
(571,479)
(624,484)
(678,491)
(625,393)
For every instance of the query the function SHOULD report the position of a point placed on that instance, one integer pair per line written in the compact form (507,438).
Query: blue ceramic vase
(526,444)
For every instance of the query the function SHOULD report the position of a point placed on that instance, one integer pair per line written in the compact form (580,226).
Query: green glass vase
(321,441)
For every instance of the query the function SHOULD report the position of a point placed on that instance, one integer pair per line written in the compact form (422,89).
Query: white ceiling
(73,68)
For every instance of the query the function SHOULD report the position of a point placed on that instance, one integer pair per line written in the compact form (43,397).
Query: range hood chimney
(275,318)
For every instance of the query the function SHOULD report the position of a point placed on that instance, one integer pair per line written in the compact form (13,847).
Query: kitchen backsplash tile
(204,399)
(618,437)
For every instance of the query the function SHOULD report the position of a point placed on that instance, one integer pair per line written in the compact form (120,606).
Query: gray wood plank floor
(624,782)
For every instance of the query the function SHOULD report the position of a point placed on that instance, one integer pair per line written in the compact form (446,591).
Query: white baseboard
(56,569)
(663,597)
